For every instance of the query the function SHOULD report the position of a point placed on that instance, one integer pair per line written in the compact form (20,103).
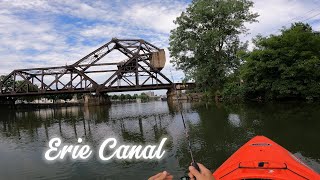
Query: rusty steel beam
(107,90)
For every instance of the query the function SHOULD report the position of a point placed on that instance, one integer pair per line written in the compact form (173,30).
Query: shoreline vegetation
(206,45)
(63,100)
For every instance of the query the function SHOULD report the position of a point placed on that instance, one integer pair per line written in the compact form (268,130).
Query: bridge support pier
(173,95)
(95,100)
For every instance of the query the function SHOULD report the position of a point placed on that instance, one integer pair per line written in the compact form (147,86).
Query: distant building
(42,101)
(150,94)
(37,101)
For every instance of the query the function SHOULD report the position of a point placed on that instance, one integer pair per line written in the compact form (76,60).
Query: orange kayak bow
(261,158)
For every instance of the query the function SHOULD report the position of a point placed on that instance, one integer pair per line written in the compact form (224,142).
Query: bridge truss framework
(133,74)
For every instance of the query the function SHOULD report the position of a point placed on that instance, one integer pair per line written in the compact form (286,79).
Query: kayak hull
(261,158)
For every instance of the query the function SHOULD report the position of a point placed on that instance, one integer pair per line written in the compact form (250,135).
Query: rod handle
(195,165)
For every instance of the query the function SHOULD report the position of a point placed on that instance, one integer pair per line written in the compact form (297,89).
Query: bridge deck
(179,86)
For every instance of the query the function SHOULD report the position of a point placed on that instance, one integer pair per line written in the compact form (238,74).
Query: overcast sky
(35,33)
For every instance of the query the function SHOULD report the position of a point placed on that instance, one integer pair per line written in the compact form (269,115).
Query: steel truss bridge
(138,70)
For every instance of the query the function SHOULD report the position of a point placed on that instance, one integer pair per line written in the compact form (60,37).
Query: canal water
(216,131)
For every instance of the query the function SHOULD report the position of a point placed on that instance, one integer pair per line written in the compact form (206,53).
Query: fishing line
(193,162)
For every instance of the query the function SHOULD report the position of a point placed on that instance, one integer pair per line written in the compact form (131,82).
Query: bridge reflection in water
(127,120)
(216,132)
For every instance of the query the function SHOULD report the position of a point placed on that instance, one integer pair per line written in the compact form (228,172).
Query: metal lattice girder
(92,74)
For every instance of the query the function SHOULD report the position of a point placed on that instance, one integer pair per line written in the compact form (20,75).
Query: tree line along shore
(206,45)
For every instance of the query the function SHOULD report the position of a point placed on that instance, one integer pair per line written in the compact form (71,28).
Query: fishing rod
(193,162)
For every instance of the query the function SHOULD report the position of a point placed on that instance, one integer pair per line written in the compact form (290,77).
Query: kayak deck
(261,158)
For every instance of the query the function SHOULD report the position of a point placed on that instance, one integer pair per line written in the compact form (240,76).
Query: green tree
(114,97)
(122,97)
(135,96)
(285,65)
(206,41)
(144,97)
(7,86)
(128,96)
(25,87)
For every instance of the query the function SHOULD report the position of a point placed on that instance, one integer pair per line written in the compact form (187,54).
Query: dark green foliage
(234,92)
(23,87)
(26,86)
(206,41)
(144,97)
(285,66)
(122,97)
(114,97)
(128,96)
(8,84)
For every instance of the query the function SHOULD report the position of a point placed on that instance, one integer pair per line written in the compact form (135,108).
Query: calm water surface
(217,131)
